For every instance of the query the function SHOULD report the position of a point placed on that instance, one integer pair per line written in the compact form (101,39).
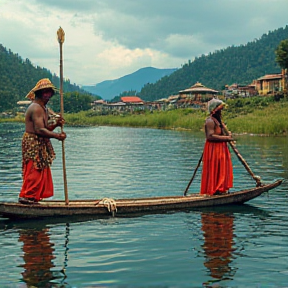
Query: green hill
(236,64)
(18,76)
(133,82)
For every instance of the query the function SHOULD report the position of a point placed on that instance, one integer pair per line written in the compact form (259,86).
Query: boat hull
(127,207)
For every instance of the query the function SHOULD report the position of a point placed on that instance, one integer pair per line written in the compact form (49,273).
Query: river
(242,246)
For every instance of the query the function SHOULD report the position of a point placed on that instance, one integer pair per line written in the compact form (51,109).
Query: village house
(195,96)
(132,100)
(198,92)
(238,90)
(270,84)
(198,95)
(126,103)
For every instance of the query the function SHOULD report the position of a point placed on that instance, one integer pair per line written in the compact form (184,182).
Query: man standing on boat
(217,173)
(37,150)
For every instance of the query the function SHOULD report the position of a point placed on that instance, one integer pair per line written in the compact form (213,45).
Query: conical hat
(41,84)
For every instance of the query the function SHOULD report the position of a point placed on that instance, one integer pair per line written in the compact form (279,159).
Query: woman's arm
(210,133)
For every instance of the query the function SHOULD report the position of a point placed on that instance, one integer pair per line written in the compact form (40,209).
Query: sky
(108,39)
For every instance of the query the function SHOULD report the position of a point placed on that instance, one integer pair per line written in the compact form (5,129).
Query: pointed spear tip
(60,35)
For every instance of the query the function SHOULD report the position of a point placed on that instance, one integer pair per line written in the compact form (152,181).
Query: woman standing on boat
(217,173)
(37,150)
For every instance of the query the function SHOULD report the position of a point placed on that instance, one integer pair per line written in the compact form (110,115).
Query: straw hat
(41,84)
(214,104)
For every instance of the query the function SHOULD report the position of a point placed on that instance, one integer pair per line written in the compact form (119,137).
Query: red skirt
(217,172)
(37,183)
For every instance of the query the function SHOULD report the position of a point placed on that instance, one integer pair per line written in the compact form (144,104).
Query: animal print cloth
(38,149)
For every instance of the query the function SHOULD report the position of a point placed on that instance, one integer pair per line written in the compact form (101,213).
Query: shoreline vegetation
(257,116)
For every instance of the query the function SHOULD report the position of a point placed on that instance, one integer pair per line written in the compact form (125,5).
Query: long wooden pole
(61,38)
(188,186)
(232,144)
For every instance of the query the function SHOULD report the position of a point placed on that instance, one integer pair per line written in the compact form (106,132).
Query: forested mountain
(135,81)
(18,77)
(236,64)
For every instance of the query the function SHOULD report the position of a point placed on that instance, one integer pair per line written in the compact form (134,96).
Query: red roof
(131,99)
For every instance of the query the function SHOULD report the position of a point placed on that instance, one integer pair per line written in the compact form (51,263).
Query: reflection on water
(39,269)
(218,231)
(228,245)
(38,256)
(10,159)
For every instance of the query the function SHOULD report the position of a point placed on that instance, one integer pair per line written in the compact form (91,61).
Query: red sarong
(37,184)
(217,173)
(37,157)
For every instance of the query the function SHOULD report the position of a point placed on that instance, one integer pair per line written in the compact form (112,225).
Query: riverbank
(257,115)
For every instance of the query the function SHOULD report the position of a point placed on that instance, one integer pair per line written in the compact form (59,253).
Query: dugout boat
(128,207)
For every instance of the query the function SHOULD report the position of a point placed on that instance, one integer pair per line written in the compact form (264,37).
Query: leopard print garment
(38,149)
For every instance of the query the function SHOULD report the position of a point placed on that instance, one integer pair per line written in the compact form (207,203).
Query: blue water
(244,246)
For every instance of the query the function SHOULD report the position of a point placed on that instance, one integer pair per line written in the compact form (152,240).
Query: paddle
(61,38)
(232,144)
(199,162)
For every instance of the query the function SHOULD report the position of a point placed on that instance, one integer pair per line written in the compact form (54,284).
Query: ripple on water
(243,246)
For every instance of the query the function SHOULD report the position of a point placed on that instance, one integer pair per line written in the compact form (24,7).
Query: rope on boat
(110,204)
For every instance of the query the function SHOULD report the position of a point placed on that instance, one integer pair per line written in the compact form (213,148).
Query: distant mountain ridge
(135,81)
(235,64)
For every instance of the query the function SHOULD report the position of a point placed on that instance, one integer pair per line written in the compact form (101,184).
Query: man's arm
(38,119)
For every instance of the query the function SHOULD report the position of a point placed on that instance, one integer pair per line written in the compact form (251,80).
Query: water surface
(244,246)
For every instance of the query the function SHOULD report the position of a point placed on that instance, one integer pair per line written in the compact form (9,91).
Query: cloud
(107,39)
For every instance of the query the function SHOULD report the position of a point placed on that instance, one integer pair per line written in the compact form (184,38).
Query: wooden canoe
(127,207)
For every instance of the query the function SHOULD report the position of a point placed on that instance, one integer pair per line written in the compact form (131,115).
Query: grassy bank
(257,115)
(272,120)
(181,118)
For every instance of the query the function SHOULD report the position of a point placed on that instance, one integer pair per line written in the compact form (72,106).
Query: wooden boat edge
(128,207)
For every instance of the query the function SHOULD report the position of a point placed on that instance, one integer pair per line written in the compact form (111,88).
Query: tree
(73,102)
(282,59)
(282,54)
